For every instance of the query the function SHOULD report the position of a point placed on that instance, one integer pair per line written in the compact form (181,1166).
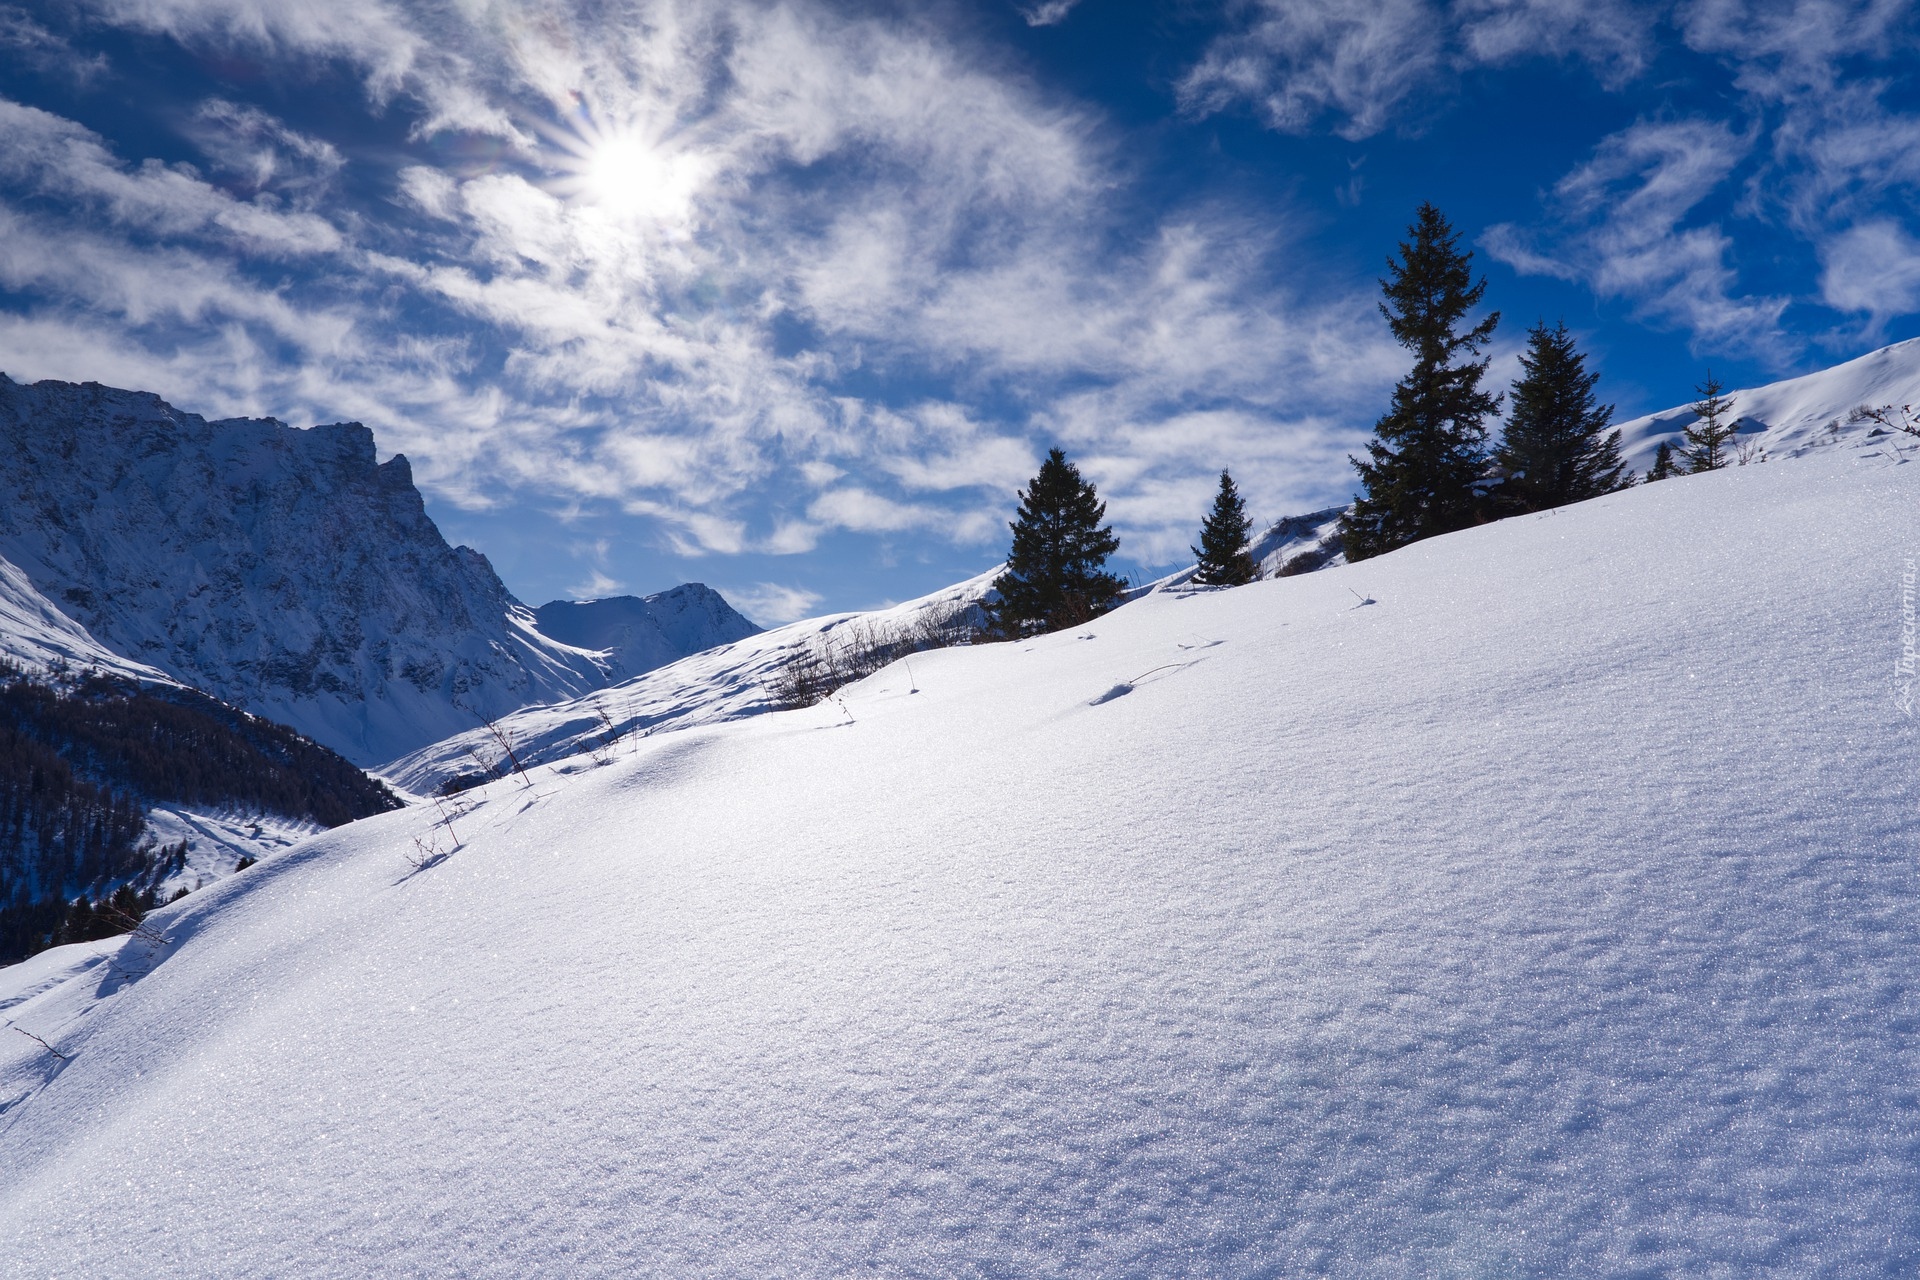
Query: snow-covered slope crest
(1552,913)
(638,634)
(1790,419)
(38,636)
(281,570)
(725,683)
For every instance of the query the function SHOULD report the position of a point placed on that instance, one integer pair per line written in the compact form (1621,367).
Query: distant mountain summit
(640,634)
(282,570)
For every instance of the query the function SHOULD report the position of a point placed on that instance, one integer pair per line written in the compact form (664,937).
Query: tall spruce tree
(1711,430)
(1056,575)
(1556,447)
(1224,561)
(1429,451)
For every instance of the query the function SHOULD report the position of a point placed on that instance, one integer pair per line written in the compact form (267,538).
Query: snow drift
(1535,900)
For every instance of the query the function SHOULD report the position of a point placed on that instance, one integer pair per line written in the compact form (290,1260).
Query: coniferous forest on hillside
(81,760)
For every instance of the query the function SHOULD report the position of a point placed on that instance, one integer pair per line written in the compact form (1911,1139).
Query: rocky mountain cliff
(282,570)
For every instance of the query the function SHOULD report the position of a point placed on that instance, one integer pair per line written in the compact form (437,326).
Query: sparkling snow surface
(1555,913)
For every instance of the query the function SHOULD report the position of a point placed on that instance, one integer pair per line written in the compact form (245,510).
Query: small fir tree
(1224,561)
(1556,447)
(1663,467)
(1428,452)
(1712,428)
(1056,575)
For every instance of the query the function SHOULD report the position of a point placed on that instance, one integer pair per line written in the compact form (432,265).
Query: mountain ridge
(284,570)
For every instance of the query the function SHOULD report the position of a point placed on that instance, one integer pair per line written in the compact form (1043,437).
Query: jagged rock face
(282,570)
(639,635)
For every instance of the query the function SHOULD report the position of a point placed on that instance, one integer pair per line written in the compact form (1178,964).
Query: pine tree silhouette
(1663,468)
(1556,447)
(1056,575)
(1222,552)
(1429,449)
(1711,429)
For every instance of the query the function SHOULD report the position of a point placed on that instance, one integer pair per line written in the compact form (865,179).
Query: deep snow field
(1555,912)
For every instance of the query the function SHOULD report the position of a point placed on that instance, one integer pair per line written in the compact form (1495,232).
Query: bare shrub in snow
(1892,417)
(860,648)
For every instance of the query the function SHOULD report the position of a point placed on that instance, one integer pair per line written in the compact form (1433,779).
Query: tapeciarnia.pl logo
(1904,669)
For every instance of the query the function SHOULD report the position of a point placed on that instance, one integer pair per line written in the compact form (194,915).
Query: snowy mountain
(638,634)
(281,570)
(36,634)
(211,836)
(112,787)
(1551,912)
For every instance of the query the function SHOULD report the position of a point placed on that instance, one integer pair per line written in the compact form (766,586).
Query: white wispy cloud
(46,50)
(1874,268)
(1806,139)
(771,603)
(1050,13)
(1298,62)
(1620,225)
(707,216)
(1356,68)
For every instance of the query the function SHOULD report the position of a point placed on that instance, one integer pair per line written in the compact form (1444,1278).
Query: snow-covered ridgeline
(1800,415)
(1787,419)
(724,683)
(1554,912)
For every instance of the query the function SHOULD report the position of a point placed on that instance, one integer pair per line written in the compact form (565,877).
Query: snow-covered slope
(638,634)
(1555,912)
(1800,415)
(1290,545)
(36,634)
(725,683)
(278,569)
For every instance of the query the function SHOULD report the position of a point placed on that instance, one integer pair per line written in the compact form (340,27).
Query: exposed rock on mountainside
(281,570)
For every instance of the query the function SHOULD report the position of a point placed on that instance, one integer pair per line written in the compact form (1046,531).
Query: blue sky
(789,298)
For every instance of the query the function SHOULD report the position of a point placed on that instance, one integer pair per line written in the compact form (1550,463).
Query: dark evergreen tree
(1556,447)
(1663,467)
(1224,561)
(1712,428)
(1056,575)
(1429,451)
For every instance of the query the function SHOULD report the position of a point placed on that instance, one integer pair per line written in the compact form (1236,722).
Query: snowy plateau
(1536,900)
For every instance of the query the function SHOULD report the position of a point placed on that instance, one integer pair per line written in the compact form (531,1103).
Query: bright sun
(625,173)
(626,176)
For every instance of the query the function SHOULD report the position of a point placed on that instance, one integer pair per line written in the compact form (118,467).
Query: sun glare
(626,174)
